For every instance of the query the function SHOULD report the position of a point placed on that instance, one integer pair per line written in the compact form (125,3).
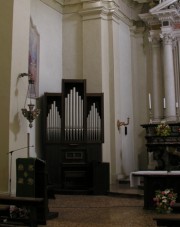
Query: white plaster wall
(18,88)
(113,92)
(140,56)
(49,25)
(106,80)
(6,9)
(93,34)
(72,46)
(125,100)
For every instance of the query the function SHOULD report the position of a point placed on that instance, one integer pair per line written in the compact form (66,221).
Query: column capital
(167,38)
(154,37)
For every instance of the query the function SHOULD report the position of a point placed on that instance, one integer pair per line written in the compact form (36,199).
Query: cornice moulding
(141,1)
(162,6)
(137,31)
(53,4)
(149,19)
(177,33)
(168,14)
(124,10)
(105,14)
(68,2)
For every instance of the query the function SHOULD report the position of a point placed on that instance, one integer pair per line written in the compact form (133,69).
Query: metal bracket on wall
(122,123)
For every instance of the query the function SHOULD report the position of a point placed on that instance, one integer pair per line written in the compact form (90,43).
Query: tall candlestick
(149,101)
(164,103)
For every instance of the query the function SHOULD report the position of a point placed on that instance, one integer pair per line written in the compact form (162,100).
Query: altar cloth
(135,177)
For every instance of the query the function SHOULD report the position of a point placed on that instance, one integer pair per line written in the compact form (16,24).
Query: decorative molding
(166,14)
(168,10)
(135,30)
(141,1)
(154,37)
(161,6)
(68,2)
(104,10)
(53,4)
(149,19)
(167,38)
(125,10)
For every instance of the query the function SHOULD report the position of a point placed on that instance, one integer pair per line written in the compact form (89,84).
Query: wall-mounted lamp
(122,123)
(32,113)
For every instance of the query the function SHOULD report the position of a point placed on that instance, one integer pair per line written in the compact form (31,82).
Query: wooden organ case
(73,137)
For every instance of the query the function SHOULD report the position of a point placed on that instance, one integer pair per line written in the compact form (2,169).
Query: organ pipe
(74,120)
(93,124)
(53,123)
(74,117)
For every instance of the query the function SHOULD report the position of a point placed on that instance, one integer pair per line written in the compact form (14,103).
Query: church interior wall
(5,65)
(48,22)
(100,51)
(94,40)
(72,46)
(19,64)
(140,81)
(126,99)
(49,26)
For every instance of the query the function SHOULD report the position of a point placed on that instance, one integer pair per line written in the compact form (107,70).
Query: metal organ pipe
(70,112)
(73,115)
(80,116)
(82,128)
(93,124)
(74,109)
(65,111)
(68,117)
(76,115)
(53,123)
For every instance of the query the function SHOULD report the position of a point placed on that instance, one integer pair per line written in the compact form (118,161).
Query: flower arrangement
(163,130)
(165,200)
(17,212)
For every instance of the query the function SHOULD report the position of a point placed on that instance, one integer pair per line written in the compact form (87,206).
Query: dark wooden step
(4,210)
(168,220)
(176,208)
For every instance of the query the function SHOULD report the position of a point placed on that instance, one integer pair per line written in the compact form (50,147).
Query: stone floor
(125,189)
(112,210)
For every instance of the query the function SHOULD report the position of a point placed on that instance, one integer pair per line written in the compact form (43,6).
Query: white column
(169,80)
(157,81)
(178,73)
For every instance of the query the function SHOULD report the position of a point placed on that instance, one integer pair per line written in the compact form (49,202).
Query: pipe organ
(73,134)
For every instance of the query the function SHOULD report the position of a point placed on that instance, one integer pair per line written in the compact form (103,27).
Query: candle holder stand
(150,116)
(177,114)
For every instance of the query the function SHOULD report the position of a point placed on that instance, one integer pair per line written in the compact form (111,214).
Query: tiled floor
(125,189)
(122,207)
(113,210)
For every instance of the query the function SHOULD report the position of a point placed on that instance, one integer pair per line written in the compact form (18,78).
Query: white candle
(177,105)
(164,103)
(149,101)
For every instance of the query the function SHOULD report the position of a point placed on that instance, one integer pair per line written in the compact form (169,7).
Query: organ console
(73,133)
